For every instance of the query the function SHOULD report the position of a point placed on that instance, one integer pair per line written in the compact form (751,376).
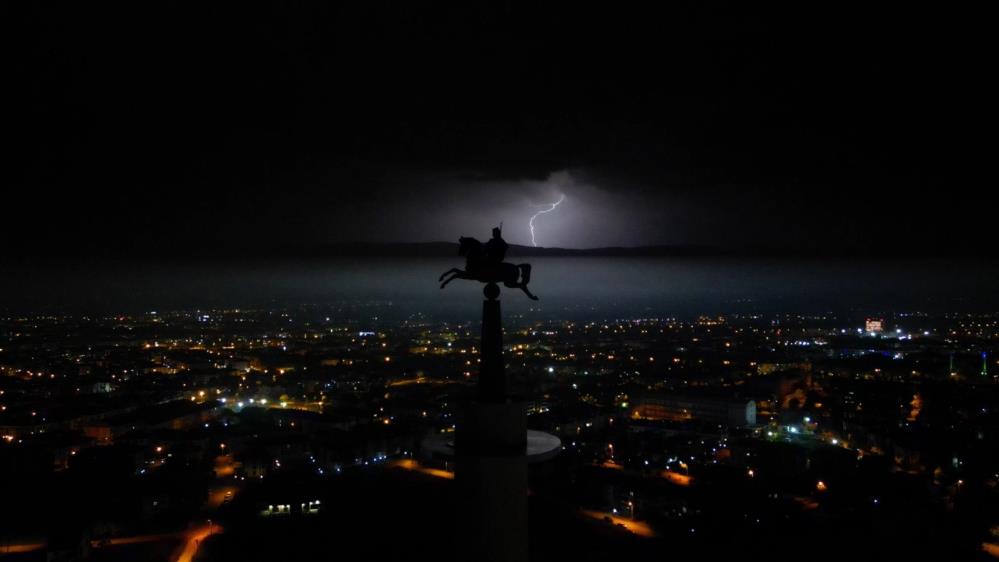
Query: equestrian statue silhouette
(484,263)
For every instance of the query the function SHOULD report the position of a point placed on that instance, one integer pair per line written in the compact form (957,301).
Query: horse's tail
(525,273)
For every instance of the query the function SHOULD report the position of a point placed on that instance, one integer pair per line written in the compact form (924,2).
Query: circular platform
(541,446)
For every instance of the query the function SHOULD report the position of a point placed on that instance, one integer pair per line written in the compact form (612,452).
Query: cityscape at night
(497,282)
(140,434)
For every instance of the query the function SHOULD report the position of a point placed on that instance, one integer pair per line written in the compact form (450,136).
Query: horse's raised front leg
(458,275)
(448,272)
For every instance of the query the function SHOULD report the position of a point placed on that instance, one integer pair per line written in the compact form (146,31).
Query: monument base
(491,515)
(491,451)
(491,480)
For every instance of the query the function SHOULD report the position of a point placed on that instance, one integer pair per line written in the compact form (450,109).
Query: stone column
(491,461)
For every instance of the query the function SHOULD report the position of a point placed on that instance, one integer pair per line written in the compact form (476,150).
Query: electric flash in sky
(541,212)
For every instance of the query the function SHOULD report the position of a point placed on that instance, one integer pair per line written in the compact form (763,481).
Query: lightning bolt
(541,212)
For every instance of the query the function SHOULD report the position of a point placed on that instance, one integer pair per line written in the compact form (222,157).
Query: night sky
(141,128)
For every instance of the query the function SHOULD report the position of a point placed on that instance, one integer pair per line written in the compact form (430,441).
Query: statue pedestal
(492,451)
(491,482)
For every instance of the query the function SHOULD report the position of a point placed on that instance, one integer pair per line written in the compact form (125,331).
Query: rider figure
(484,263)
(495,250)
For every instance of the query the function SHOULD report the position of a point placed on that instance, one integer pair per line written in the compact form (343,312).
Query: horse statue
(479,268)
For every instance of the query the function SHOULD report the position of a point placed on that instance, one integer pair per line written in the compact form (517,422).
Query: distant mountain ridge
(277,250)
(450,249)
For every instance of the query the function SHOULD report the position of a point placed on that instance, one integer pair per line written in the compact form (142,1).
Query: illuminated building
(874,325)
(731,412)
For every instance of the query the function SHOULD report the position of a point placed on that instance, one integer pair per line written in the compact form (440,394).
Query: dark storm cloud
(606,208)
(208,129)
(443,206)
